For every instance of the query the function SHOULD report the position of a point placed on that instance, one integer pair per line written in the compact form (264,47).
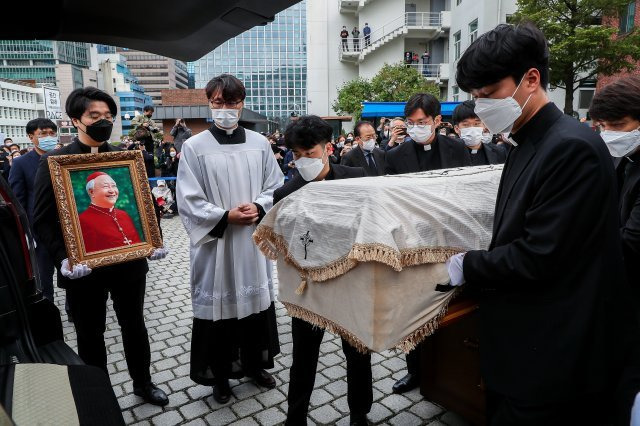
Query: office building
(35,60)
(155,72)
(270,60)
(19,103)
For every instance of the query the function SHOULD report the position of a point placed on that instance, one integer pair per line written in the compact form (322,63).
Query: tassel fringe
(272,244)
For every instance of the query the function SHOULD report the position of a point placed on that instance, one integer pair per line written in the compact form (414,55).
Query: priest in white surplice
(225,185)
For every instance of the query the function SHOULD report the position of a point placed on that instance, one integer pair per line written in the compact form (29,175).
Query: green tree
(581,47)
(397,83)
(393,83)
(351,95)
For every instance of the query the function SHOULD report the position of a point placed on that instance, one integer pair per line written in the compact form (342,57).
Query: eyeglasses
(220,104)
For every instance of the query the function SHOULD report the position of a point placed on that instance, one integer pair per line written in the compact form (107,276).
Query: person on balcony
(344,35)
(367,34)
(426,58)
(356,38)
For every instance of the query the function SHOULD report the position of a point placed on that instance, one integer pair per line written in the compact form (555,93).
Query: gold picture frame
(91,231)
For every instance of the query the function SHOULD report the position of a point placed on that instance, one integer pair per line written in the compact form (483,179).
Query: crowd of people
(560,338)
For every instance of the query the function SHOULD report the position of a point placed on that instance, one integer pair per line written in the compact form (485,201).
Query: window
(456,93)
(627,17)
(584,98)
(458,2)
(473,31)
(456,46)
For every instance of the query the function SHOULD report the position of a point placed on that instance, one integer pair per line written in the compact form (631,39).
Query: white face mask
(499,115)
(471,136)
(369,145)
(621,143)
(340,144)
(420,134)
(310,168)
(225,118)
(487,137)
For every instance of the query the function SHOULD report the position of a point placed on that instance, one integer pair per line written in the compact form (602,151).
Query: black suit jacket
(46,224)
(356,158)
(496,154)
(22,179)
(337,172)
(629,205)
(552,281)
(403,158)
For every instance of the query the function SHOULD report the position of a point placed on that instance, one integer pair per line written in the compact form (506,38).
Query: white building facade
(397,27)
(19,103)
(444,28)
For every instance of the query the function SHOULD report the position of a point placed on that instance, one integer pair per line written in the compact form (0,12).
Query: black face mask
(100,130)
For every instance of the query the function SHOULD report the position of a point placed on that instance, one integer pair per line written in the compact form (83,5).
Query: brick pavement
(168,318)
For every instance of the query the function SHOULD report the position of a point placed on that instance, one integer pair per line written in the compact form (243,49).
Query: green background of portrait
(126,196)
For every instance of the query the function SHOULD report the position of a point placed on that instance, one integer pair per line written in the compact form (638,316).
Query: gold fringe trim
(302,287)
(296,311)
(410,342)
(406,345)
(272,244)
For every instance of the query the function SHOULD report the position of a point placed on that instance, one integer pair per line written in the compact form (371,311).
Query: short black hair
(229,86)
(148,108)
(428,103)
(14,144)
(464,111)
(307,132)
(79,100)
(617,100)
(7,139)
(359,124)
(40,123)
(505,51)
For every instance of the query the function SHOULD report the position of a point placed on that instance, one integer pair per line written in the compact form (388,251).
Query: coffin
(364,258)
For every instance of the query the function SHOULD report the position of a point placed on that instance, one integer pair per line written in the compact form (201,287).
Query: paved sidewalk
(168,317)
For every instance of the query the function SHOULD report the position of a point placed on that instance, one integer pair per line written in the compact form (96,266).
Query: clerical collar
(537,126)
(102,208)
(91,149)
(237,136)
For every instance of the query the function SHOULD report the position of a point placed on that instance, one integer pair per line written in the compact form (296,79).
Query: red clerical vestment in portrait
(106,229)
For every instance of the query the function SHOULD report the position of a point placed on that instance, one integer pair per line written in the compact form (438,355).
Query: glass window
(456,46)
(627,18)
(456,93)
(473,31)
(585,97)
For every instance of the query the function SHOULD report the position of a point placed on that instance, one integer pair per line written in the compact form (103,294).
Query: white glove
(79,270)
(159,253)
(454,267)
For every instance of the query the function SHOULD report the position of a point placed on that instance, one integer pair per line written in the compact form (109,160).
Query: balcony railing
(427,70)
(410,20)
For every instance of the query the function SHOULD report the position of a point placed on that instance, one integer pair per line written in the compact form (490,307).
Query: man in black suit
(309,138)
(92,112)
(365,155)
(476,137)
(426,150)
(554,315)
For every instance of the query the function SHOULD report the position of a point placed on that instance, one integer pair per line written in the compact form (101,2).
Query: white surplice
(230,278)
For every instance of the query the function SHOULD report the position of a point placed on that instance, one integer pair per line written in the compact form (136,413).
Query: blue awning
(396,109)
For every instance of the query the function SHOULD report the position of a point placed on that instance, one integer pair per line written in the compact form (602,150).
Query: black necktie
(371,163)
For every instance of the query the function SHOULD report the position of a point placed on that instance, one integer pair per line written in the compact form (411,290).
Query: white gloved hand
(454,267)
(159,253)
(79,270)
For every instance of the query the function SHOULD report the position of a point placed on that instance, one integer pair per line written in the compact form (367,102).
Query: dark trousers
(413,361)
(367,40)
(356,44)
(88,304)
(306,348)
(46,270)
(345,44)
(579,410)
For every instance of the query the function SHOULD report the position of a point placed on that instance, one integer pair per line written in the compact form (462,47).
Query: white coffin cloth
(397,230)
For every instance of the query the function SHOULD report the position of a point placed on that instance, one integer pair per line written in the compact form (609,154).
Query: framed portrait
(105,207)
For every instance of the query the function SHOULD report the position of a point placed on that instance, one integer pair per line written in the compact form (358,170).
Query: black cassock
(555,323)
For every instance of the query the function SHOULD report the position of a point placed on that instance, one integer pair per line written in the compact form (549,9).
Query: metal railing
(427,70)
(407,19)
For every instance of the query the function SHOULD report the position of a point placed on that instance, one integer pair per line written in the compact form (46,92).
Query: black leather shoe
(222,391)
(152,394)
(358,421)
(407,383)
(263,378)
